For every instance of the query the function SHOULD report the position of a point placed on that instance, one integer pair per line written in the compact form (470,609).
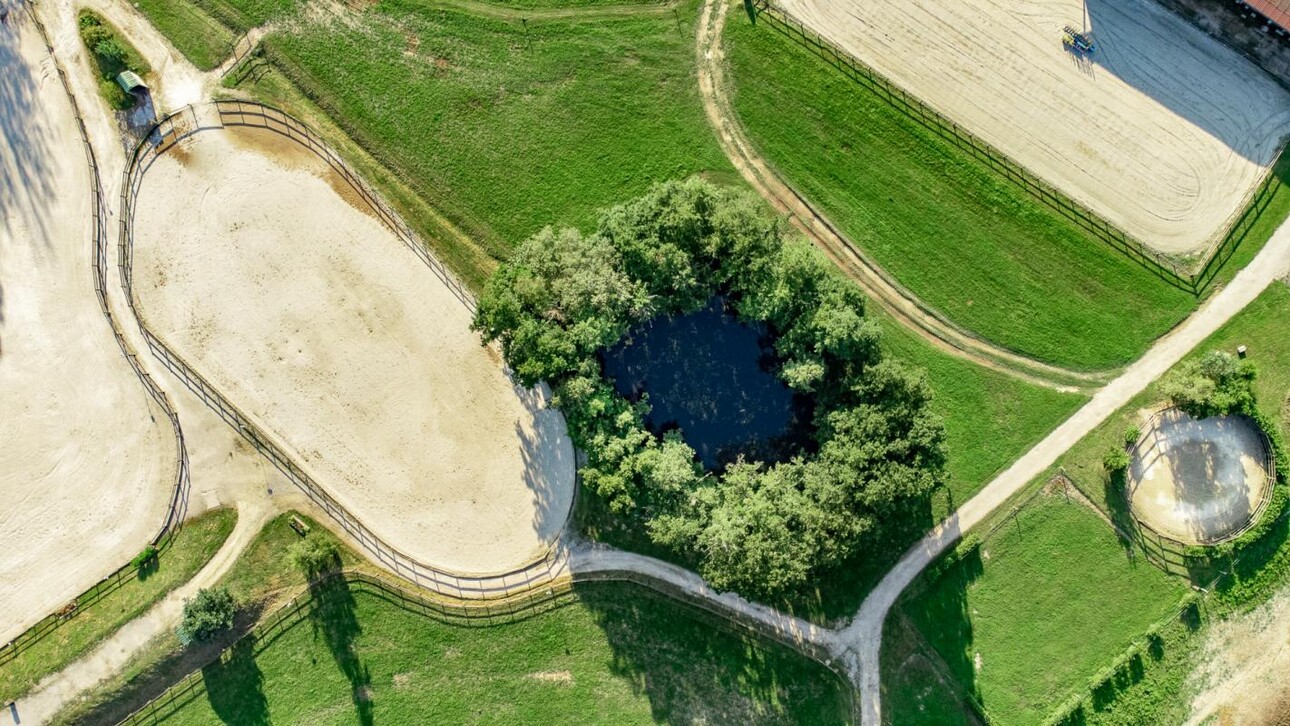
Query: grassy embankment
(1068,594)
(618,653)
(957,234)
(98,617)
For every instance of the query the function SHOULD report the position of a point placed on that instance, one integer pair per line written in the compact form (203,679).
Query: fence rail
(177,507)
(1194,280)
(174,129)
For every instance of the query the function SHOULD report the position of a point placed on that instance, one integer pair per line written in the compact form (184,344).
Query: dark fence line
(164,135)
(1169,271)
(177,507)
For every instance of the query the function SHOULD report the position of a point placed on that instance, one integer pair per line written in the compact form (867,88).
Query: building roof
(1278,11)
(130,81)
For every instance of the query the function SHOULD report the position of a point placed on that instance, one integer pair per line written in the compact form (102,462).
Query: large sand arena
(1162,131)
(86,458)
(1198,482)
(252,263)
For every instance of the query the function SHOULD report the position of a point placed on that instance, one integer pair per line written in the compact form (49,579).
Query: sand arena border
(410,551)
(1199,482)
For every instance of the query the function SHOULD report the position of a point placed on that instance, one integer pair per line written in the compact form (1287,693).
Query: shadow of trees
(235,686)
(332,615)
(694,669)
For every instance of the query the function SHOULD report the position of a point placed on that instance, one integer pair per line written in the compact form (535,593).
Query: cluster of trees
(762,530)
(1215,384)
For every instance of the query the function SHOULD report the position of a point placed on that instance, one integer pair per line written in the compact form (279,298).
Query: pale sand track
(86,458)
(1163,133)
(321,326)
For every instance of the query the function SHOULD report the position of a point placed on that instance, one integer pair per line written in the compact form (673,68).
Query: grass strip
(192,547)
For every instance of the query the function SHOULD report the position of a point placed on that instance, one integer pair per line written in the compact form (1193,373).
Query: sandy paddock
(1162,131)
(86,457)
(254,264)
(1198,481)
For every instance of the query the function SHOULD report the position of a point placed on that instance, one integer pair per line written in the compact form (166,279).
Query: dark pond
(714,378)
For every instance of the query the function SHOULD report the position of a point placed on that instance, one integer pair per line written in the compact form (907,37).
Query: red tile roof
(1278,11)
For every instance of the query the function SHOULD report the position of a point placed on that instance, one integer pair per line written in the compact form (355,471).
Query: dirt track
(86,458)
(320,325)
(1162,131)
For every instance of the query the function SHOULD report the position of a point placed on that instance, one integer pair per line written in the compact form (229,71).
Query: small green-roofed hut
(130,82)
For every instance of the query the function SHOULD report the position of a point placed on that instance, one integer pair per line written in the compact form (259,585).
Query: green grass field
(957,234)
(202,39)
(1052,597)
(192,548)
(507,126)
(618,655)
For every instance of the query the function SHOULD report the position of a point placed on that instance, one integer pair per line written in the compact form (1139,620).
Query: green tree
(1217,383)
(314,555)
(206,614)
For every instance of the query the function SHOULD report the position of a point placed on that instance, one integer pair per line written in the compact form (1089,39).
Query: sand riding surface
(1162,130)
(310,316)
(86,458)
(1198,481)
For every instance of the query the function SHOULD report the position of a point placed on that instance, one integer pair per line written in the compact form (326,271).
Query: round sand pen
(1199,482)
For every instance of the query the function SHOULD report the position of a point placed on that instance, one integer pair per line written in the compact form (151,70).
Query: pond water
(713,377)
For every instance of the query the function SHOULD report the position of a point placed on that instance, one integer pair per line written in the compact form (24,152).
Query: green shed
(130,82)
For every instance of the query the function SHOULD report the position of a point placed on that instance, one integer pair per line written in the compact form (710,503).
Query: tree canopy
(1217,383)
(762,530)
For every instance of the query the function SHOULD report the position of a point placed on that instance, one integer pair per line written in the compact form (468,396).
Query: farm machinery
(1080,42)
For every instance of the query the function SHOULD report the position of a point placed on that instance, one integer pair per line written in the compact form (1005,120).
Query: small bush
(314,555)
(148,554)
(1131,435)
(1116,460)
(208,613)
(116,98)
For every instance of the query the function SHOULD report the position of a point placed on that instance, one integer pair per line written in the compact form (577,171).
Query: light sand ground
(86,458)
(317,322)
(1162,133)
(1198,481)
(1240,677)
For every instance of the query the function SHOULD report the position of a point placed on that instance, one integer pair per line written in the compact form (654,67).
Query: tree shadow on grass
(235,686)
(937,603)
(694,669)
(332,614)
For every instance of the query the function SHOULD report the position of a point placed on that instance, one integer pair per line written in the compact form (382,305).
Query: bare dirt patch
(563,678)
(1162,130)
(1201,481)
(323,327)
(1239,678)
(86,458)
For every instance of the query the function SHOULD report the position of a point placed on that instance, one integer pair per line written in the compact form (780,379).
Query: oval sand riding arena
(1199,482)
(265,271)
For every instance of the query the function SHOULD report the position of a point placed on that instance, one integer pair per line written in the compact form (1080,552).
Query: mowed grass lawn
(620,654)
(510,126)
(1052,597)
(191,548)
(957,234)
